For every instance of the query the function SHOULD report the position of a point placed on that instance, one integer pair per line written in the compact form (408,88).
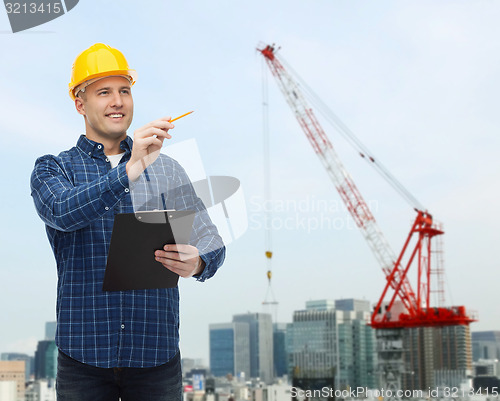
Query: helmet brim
(130,74)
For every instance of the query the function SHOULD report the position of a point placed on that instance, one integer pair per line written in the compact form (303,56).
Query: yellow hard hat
(99,61)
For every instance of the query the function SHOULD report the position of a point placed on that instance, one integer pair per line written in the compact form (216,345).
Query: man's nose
(117,100)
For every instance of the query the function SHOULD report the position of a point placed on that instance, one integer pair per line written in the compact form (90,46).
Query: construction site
(421,343)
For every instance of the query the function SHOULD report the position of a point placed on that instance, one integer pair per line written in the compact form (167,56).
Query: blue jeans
(77,381)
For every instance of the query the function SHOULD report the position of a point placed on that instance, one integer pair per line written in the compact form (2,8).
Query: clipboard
(131,263)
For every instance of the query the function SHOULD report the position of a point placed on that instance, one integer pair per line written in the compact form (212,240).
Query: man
(125,343)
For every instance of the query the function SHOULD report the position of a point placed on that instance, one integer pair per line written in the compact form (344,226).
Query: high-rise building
(261,344)
(436,356)
(364,352)
(485,345)
(28,360)
(50,330)
(325,343)
(280,358)
(230,348)
(46,360)
(13,372)
(312,345)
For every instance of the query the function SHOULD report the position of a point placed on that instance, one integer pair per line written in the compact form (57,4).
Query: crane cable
(269,299)
(363,151)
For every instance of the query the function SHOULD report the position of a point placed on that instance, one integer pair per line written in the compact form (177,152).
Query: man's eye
(103,93)
(125,91)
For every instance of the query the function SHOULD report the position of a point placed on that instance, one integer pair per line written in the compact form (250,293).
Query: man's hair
(82,95)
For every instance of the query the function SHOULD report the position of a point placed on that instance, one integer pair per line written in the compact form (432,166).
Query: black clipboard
(131,263)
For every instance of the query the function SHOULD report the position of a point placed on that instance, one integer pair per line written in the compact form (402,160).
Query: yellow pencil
(176,118)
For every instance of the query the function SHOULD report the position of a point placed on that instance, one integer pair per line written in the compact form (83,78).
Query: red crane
(416,310)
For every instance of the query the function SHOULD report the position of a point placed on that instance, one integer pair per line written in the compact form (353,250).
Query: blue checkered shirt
(77,195)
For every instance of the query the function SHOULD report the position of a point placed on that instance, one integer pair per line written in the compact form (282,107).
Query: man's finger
(183,248)
(170,255)
(148,133)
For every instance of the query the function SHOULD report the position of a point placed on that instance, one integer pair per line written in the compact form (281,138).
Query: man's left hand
(181,259)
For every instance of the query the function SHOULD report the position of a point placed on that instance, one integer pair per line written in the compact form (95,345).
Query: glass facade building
(221,349)
(261,344)
(230,349)
(279,350)
(46,360)
(324,342)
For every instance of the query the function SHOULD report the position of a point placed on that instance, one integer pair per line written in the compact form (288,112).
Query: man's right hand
(148,141)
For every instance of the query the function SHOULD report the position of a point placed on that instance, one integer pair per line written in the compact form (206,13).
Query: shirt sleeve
(67,207)
(205,235)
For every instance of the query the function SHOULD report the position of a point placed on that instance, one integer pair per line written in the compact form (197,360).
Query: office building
(261,344)
(364,352)
(46,360)
(485,345)
(50,330)
(230,349)
(280,359)
(332,346)
(436,356)
(28,360)
(12,376)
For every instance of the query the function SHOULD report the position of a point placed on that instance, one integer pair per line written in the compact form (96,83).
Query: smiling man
(108,109)
(122,344)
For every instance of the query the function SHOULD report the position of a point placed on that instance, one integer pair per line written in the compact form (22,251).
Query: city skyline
(417,83)
(485,344)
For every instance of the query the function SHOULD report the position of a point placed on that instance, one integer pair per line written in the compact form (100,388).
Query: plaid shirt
(77,195)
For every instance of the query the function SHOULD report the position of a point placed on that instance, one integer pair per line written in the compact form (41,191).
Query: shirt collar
(93,148)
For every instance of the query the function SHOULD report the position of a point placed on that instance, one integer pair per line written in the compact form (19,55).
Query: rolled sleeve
(213,260)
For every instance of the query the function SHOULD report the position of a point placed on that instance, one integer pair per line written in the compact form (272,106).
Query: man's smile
(115,115)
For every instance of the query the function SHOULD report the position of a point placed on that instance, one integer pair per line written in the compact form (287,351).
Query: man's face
(108,108)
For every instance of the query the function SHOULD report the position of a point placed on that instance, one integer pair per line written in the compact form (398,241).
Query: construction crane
(399,306)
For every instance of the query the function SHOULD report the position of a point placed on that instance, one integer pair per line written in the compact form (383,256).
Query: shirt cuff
(118,181)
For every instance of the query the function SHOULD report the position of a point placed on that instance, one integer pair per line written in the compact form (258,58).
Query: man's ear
(80,106)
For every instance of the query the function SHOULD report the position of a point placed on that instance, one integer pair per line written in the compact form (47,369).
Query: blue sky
(416,81)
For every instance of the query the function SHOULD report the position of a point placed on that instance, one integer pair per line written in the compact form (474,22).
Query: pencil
(176,118)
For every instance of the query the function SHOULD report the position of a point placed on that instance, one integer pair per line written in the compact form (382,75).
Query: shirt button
(99,146)
(90,153)
(106,208)
(122,326)
(127,190)
(107,160)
